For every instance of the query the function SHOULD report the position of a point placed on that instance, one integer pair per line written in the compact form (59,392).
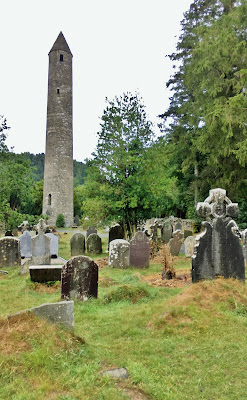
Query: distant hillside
(37,160)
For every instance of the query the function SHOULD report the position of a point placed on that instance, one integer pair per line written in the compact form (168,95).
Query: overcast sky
(117,46)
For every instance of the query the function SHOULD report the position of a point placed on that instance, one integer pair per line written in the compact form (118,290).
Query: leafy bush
(60,222)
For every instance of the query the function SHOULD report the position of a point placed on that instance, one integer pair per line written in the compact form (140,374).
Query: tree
(115,188)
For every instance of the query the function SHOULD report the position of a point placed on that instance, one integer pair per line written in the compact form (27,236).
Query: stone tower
(58,173)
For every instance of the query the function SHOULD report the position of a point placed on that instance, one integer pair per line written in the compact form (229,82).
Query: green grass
(177,343)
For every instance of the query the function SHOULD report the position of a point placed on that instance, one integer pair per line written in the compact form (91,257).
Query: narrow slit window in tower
(49,199)
(57,91)
(61,57)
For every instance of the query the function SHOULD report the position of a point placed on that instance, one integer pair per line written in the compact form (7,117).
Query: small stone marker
(9,252)
(45,273)
(91,230)
(79,279)
(139,251)
(77,220)
(218,251)
(77,244)
(115,232)
(116,373)
(166,232)
(178,226)
(94,244)
(58,313)
(54,244)
(189,245)
(119,253)
(175,243)
(26,245)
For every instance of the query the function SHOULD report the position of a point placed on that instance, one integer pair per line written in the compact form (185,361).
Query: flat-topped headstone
(91,230)
(9,252)
(189,245)
(26,245)
(175,243)
(218,251)
(94,244)
(54,244)
(41,249)
(79,279)
(139,251)
(45,273)
(77,244)
(166,232)
(119,253)
(115,232)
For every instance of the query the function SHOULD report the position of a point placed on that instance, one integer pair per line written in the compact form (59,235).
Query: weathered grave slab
(54,244)
(189,245)
(45,273)
(26,245)
(175,243)
(115,232)
(166,232)
(178,226)
(90,231)
(77,244)
(79,279)
(139,251)
(9,252)
(244,236)
(119,253)
(58,313)
(41,249)
(218,251)
(119,373)
(94,244)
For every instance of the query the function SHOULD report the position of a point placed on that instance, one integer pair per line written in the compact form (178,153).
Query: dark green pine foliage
(205,124)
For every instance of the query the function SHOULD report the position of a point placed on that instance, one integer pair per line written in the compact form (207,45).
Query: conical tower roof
(61,44)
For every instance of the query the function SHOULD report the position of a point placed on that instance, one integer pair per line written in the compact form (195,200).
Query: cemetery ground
(179,341)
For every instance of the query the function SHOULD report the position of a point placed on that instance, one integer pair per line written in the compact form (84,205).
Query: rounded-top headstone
(94,244)
(119,253)
(139,251)
(77,244)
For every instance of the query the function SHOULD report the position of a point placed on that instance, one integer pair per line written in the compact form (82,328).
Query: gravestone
(91,230)
(175,243)
(166,232)
(24,226)
(139,251)
(54,244)
(187,233)
(77,244)
(26,245)
(178,226)
(189,245)
(41,245)
(218,251)
(94,244)
(8,233)
(9,252)
(77,220)
(244,236)
(115,232)
(119,253)
(79,279)
(45,273)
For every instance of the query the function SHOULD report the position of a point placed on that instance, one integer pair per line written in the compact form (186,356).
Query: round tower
(58,173)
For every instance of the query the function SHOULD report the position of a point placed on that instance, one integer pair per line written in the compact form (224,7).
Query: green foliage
(60,221)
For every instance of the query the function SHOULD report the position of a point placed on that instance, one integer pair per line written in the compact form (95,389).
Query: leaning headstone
(54,244)
(91,230)
(187,233)
(139,251)
(58,313)
(79,279)
(175,243)
(115,232)
(244,236)
(77,244)
(189,245)
(119,253)
(166,232)
(9,252)
(41,245)
(94,244)
(218,251)
(26,245)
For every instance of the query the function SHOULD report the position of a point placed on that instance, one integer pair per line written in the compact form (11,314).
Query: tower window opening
(57,91)
(61,57)
(49,199)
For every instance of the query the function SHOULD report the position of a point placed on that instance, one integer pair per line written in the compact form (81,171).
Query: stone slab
(116,373)
(45,273)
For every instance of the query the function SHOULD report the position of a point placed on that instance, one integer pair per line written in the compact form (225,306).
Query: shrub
(60,222)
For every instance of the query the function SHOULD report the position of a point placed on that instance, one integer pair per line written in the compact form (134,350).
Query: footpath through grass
(177,343)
